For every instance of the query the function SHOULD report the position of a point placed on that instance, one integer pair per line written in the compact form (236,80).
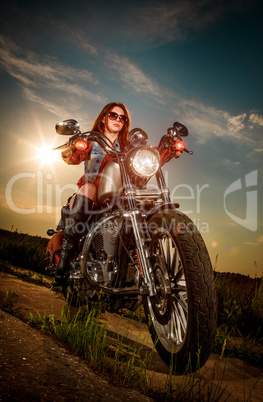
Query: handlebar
(89,136)
(166,141)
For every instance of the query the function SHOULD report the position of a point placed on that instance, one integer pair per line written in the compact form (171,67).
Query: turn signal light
(179,145)
(81,145)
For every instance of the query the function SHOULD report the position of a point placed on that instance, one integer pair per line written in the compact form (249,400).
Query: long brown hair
(99,126)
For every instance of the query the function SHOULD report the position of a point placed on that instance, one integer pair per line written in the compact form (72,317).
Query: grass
(240,317)
(25,274)
(23,250)
(240,298)
(198,388)
(87,337)
(8,305)
(240,304)
(239,333)
(123,364)
(229,341)
(243,348)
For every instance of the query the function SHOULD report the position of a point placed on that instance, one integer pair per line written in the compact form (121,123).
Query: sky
(197,62)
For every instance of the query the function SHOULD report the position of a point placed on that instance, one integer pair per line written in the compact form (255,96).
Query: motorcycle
(139,248)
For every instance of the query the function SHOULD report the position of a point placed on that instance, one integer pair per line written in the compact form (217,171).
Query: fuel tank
(110,183)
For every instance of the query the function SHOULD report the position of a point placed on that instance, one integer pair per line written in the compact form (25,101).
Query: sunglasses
(115,116)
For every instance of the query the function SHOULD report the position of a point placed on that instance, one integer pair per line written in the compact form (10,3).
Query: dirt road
(36,367)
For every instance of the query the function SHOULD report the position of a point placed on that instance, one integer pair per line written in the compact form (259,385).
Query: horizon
(260,277)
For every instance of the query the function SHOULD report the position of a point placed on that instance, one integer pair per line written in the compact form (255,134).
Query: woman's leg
(80,208)
(88,190)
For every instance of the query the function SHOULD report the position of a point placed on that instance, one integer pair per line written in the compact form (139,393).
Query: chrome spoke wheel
(171,291)
(182,316)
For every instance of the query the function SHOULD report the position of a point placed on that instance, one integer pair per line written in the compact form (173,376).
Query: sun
(46,155)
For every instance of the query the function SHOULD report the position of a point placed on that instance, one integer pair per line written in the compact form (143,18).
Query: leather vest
(93,163)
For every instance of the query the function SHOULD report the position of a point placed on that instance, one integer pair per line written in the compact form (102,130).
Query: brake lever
(70,141)
(61,146)
(188,152)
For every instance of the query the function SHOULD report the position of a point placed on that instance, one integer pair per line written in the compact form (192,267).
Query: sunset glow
(197,63)
(46,155)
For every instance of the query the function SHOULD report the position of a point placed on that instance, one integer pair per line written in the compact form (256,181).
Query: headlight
(145,161)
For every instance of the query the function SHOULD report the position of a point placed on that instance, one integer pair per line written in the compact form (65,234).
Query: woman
(114,122)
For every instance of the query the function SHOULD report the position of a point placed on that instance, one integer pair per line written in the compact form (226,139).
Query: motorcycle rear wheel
(182,317)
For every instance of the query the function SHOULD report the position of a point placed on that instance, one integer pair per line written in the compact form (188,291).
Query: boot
(79,213)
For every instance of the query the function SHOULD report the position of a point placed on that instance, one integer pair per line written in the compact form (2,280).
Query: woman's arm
(73,156)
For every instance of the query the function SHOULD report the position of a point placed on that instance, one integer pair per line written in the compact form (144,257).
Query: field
(240,298)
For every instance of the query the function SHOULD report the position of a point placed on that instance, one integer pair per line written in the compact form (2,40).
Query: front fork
(139,227)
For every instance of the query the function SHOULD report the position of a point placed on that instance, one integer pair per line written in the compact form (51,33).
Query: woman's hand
(67,154)
(177,154)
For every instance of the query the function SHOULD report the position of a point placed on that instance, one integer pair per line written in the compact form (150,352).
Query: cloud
(50,106)
(256,118)
(31,73)
(228,163)
(76,36)
(236,123)
(133,77)
(26,67)
(206,122)
(168,21)
(36,73)
(251,244)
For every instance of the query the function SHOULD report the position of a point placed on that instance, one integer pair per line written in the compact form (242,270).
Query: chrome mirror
(138,137)
(67,127)
(180,129)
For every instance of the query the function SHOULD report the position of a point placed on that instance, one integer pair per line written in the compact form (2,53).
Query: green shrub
(240,303)
(23,250)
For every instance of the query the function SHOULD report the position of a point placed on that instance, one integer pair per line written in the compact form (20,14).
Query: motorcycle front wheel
(182,318)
